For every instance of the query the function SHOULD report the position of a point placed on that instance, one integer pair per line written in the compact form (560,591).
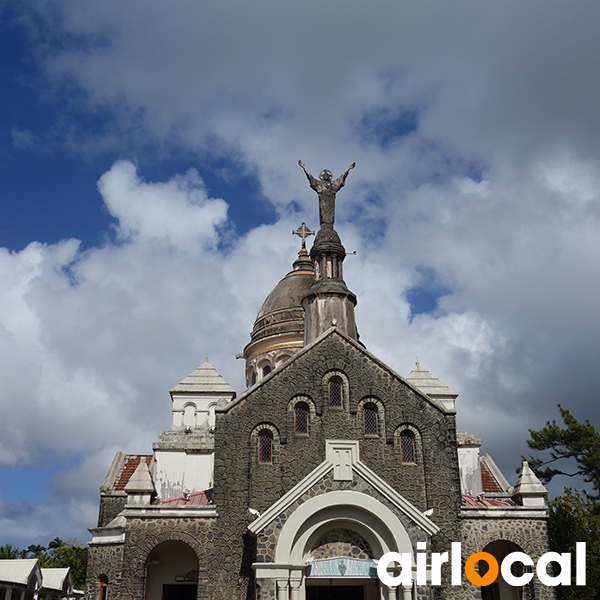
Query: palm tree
(35,550)
(9,551)
(55,543)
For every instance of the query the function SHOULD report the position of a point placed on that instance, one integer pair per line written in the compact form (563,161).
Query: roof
(196,499)
(429,384)
(128,468)
(205,379)
(487,479)
(481,502)
(528,484)
(17,571)
(332,331)
(140,481)
(57,579)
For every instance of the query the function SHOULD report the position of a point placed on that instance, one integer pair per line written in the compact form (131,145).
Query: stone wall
(530,535)
(110,506)
(104,561)
(432,484)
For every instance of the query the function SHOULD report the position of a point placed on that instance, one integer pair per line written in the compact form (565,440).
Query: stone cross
(303,232)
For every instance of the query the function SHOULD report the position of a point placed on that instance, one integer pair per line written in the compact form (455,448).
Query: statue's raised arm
(339,182)
(312,180)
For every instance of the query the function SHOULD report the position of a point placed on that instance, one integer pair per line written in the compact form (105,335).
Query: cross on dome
(303,232)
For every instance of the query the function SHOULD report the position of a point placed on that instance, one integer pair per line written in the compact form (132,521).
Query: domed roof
(282,312)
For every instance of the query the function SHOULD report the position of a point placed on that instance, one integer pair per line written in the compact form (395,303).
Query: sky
(149,185)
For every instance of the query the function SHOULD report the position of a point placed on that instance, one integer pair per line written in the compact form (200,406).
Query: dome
(278,331)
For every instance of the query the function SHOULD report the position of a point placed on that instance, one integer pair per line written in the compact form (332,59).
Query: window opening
(407,447)
(301,418)
(266,370)
(335,392)
(371,420)
(265,447)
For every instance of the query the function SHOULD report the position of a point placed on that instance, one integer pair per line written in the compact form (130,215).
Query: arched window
(371,427)
(265,446)
(407,446)
(301,418)
(253,378)
(266,370)
(335,392)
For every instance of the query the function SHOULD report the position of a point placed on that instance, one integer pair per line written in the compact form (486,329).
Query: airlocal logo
(438,559)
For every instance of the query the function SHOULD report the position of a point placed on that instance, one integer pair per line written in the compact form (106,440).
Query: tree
(35,551)
(71,555)
(55,543)
(8,551)
(577,441)
(572,517)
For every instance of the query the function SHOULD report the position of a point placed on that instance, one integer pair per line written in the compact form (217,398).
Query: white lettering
(508,562)
(405,562)
(564,560)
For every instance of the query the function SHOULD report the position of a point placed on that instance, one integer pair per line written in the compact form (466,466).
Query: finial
(206,359)
(417,361)
(303,232)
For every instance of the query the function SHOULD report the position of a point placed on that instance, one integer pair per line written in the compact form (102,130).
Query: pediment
(342,463)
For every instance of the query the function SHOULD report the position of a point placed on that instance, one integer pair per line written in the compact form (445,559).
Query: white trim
(359,510)
(361,469)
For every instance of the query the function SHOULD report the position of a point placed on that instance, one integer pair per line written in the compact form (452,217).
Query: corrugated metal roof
(196,499)
(204,379)
(17,571)
(481,502)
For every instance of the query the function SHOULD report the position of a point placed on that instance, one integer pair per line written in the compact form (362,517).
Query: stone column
(407,592)
(282,589)
(391,593)
(295,589)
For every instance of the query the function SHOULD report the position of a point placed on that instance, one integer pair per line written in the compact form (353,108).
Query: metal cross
(303,232)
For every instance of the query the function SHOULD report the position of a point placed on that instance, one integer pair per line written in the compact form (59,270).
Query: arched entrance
(500,590)
(327,546)
(340,565)
(172,572)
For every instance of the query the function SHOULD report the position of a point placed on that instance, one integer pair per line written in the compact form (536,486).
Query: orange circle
(474,577)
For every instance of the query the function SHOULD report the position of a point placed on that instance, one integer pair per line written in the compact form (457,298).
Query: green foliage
(576,441)
(572,519)
(9,551)
(59,554)
(74,557)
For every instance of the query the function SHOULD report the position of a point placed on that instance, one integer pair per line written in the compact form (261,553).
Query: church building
(294,488)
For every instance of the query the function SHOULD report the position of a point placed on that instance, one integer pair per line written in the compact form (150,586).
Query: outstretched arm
(339,182)
(313,182)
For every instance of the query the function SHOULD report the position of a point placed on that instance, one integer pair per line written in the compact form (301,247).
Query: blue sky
(149,184)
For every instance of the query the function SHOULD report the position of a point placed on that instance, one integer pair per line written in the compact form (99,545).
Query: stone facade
(320,467)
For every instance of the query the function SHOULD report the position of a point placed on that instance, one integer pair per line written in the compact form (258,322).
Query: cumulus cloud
(475,129)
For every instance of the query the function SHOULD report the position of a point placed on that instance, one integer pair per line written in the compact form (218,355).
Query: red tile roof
(130,464)
(490,485)
(481,502)
(196,499)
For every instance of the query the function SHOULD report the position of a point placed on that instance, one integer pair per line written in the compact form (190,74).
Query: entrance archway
(307,554)
(500,590)
(172,572)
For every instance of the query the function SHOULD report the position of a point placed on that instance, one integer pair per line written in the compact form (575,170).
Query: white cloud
(506,93)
